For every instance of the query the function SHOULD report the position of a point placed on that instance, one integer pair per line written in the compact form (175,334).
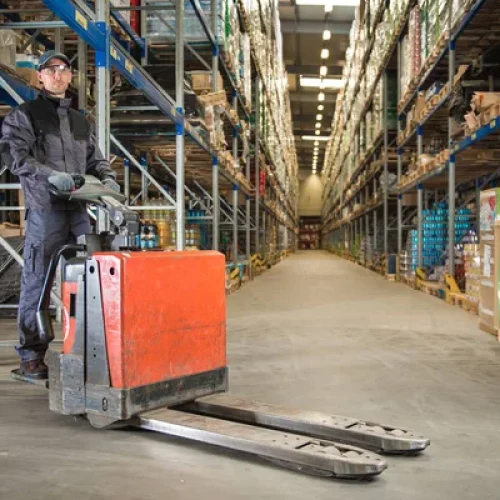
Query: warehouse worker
(46,142)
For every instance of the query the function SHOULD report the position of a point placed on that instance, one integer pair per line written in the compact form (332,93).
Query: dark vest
(45,120)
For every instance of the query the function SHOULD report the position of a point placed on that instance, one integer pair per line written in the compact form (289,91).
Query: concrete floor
(314,332)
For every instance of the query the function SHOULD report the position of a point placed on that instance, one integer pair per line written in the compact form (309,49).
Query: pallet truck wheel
(102,422)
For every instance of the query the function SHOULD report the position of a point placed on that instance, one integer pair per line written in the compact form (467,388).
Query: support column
(420,200)
(247,226)
(400,204)
(216,203)
(451,176)
(82,75)
(102,80)
(59,40)
(257,165)
(126,172)
(179,129)
(235,224)
(375,239)
(264,233)
(367,223)
(386,166)
(420,203)
(478,207)
(400,155)
(215,161)
(144,182)
(143,13)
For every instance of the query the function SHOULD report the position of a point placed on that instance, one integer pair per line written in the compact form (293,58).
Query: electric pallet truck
(144,345)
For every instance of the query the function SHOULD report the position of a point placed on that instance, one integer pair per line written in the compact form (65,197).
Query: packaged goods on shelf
(232,39)
(8,48)
(246,69)
(472,268)
(488,213)
(201,81)
(193,30)
(125,14)
(366,252)
(408,258)
(212,110)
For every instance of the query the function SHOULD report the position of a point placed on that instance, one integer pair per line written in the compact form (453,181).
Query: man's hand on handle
(62,181)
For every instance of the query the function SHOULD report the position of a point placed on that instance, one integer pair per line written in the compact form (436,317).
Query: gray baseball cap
(52,54)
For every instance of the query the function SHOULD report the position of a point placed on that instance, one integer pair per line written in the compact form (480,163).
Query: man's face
(56,77)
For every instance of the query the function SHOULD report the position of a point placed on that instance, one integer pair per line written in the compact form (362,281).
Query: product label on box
(488,209)
(487,261)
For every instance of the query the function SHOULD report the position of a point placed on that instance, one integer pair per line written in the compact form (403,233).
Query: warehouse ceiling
(302,27)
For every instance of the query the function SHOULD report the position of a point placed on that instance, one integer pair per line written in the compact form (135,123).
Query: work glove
(111,184)
(62,181)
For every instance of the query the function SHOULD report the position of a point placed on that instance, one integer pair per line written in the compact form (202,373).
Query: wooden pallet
(432,288)
(461,300)
(235,285)
(407,280)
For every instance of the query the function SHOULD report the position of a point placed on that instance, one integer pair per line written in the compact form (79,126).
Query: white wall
(311,188)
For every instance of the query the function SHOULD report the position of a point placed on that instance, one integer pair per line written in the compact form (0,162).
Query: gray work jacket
(47,135)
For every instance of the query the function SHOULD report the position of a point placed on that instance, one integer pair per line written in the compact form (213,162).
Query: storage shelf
(117,37)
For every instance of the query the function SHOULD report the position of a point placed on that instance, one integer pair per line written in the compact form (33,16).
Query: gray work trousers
(46,231)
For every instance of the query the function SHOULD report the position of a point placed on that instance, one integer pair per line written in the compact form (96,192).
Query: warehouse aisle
(314,332)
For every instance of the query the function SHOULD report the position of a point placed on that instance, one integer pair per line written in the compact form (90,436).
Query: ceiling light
(321,107)
(323,70)
(317,132)
(329,83)
(316,143)
(315,139)
(327,35)
(332,3)
(318,125)
(319,117)
(321,96)
(325,53)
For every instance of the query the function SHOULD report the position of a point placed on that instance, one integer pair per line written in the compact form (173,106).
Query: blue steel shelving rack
(332,207)
(111,54)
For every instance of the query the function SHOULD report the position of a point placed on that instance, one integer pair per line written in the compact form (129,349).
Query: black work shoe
(36,369)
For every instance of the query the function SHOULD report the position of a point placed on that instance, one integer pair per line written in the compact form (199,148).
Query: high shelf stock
(188,102)
(415,134)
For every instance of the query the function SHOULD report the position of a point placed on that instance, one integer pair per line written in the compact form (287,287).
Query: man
(46,142)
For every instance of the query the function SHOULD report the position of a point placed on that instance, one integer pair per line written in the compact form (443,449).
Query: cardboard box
(489,210)
(30,75)
(8,230)
(201,81)
(487,287)
(409,200)
(496,275)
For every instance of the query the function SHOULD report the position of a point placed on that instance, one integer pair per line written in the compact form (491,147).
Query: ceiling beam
(313,70)
(297,132)
(315,27)
(312,97)
(327,118)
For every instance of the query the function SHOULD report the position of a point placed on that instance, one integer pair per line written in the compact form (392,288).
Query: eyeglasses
(62,69)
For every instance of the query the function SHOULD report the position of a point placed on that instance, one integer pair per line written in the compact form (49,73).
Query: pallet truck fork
(145,345)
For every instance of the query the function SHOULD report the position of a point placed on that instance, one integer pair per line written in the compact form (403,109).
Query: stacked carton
(489,206)
(472,263)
